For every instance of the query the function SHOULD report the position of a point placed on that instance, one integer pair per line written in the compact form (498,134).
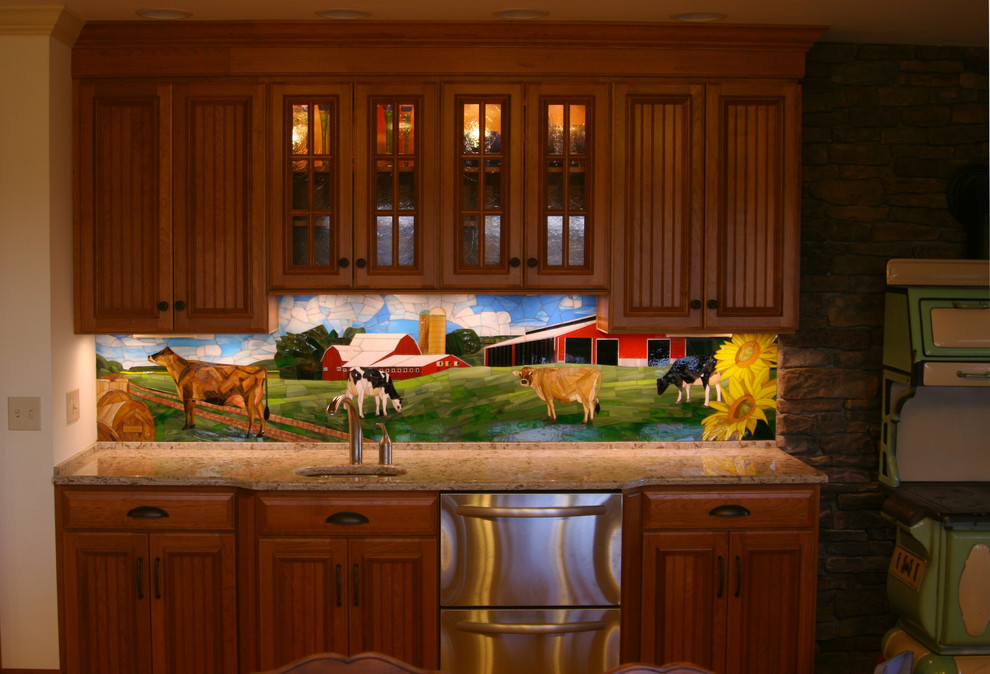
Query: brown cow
(565,384)
(240,385)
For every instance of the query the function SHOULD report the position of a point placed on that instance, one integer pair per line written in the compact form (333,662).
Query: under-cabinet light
(162,13)
(343,13)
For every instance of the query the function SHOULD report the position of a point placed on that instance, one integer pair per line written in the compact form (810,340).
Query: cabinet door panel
(395,164)
(684,589)
(106,606)
(311,224)
(566,223)
(772,589)
(752,207)
(123,211)
(658,135)
(395,609)
(219,226)
(194,603)
(481,186)
(302,605)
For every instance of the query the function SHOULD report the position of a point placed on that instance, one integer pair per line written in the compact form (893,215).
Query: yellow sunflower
(747,357)
(742,409)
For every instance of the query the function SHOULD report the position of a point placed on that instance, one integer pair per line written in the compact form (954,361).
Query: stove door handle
(973,375)
(529,628)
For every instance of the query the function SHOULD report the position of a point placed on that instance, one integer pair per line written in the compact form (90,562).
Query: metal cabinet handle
(532,262)
(514,262)
(338,585)
(524,628)
(713,304)
(343,263)
(570,511)
(729,510)
(139,583)
(356,577)
(180,306)
(972,375)
(721,576)
(695,304)
(360,263)
(738,575)
(158,594)
(147,513)
(347,518)
(163,306)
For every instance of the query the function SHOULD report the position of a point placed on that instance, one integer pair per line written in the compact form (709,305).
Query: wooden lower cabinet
(145,599)
(724,592)
(348,574)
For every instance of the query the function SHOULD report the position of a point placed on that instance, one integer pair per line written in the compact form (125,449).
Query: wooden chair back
(364,663)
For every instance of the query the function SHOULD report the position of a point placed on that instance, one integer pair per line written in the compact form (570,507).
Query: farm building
(582,342)
(397,354)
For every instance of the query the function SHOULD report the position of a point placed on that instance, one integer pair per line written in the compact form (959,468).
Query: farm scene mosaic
(437,368)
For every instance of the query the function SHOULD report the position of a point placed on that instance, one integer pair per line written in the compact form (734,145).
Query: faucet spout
(353,425)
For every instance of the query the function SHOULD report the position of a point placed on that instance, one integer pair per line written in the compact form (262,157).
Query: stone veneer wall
(885,128)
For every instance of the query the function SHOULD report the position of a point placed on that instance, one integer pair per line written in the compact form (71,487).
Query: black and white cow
(362,381)
(692,370)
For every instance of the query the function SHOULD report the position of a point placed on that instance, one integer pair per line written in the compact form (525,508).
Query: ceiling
(930,22)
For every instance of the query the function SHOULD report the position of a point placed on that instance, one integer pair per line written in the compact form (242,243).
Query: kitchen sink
(347,469)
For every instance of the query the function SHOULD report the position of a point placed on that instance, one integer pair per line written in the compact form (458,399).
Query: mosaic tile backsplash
(442,368)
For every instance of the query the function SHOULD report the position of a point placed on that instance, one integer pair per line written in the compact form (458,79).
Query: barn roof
(545,333)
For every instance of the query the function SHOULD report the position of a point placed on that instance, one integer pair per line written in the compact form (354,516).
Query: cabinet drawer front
(148,509)
(348,514)
(729,508)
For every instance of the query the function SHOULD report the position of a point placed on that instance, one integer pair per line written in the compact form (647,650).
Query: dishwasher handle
(530,628)
(492,512)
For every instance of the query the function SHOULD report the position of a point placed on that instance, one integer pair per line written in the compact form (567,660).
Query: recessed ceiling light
(700,17)
(157,13)
(343,13)
(521,13)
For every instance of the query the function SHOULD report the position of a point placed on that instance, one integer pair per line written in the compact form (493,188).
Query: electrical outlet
(24,414)
(72,406)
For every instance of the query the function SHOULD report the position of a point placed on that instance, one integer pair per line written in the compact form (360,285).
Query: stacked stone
(885,129)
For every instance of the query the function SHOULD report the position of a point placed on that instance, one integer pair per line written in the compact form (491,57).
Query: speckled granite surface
(437,466)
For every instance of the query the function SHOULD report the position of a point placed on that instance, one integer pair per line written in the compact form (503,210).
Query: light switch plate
(72,406)
(24,414)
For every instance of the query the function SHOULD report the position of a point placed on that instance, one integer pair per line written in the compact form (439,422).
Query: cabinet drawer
(729,508)
(348,514)
(148,509)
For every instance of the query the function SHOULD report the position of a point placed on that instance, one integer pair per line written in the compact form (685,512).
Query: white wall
(41,355)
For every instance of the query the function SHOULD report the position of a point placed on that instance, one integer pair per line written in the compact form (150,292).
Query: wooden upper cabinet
(481,181)
(657,200)
(705,199)
(753,206)
(219,220)
(311,245)
(170,230)
(567,187)
(123,208)
(395,168)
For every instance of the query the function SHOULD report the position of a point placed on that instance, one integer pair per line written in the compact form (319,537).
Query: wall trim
(52,20)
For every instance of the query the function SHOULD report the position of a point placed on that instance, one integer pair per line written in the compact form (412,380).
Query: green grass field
(477,404)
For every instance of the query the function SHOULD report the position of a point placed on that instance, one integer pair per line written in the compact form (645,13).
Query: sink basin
(346,469)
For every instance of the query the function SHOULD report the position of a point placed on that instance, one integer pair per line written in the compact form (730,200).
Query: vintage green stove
(935,461)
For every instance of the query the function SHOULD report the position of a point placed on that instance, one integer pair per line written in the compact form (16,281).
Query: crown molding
(51,20)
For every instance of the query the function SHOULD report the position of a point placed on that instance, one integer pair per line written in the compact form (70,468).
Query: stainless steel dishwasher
(529,582)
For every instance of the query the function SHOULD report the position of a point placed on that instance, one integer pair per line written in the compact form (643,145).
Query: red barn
(582,342)
(365,350)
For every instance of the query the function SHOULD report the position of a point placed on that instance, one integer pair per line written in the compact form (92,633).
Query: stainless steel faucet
(354,437)
(384,448)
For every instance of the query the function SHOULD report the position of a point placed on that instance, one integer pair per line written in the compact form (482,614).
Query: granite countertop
(438,466)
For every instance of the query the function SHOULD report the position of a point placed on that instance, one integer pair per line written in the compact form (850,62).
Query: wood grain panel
(400,513)
(752,214)
(396,611)
(770,600)
(700,508)
(657,202)
(684,587)
(219,226)
(123,215)
(106,603)
(301,611)
(108,509)
(194,603)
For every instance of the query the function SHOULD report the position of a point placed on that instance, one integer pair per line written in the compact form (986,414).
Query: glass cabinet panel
(396,161)
(482,160)
(565,162)
(311,207)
